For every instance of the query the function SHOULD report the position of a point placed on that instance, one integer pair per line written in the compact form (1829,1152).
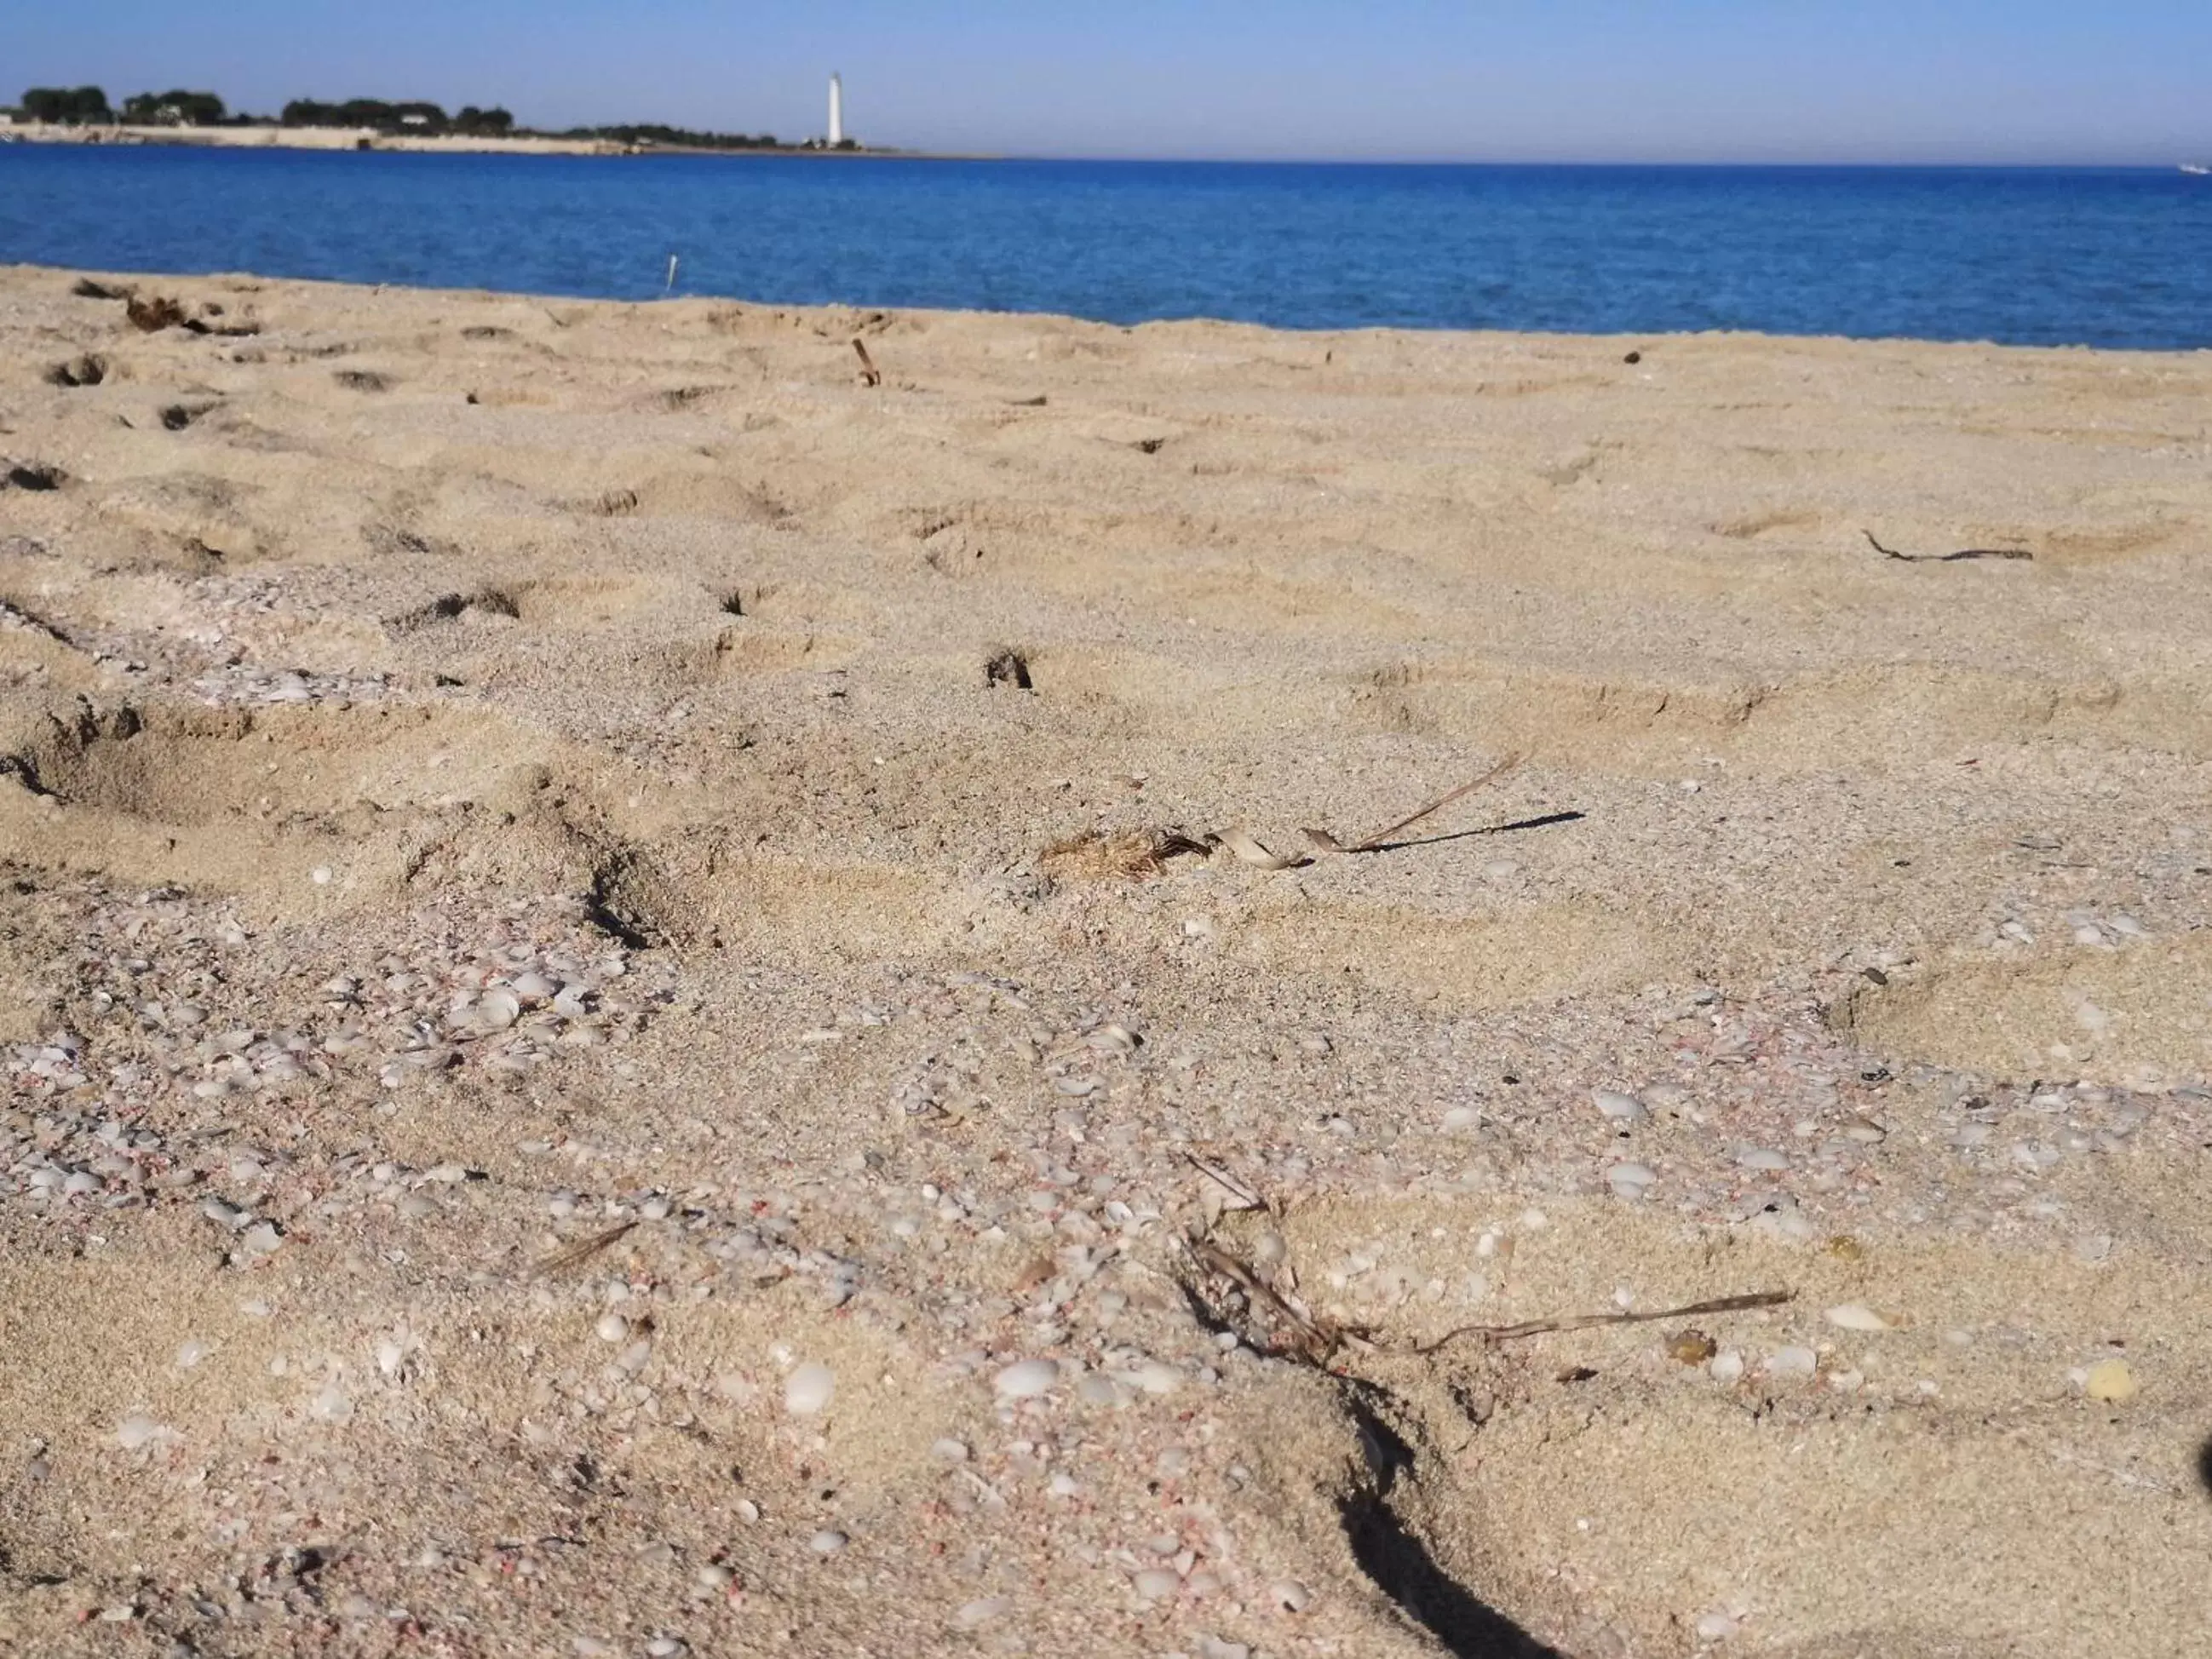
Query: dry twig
(582,1250)
(870,374)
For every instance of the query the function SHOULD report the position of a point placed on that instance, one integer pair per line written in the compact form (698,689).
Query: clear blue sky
(1513,80)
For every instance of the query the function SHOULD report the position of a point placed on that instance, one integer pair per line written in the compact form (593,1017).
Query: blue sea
(2044,257)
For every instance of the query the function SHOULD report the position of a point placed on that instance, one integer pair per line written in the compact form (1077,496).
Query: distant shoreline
(356,139)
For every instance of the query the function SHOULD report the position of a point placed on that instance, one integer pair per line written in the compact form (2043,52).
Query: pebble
(1726,1366)
(1027,1379)
(828,1541)
(981,1611)
(1290,1595)
(808,1390)
(612,1326)
(1716,1628)
(1618,1107)
(666,1647)
(2112,1380)
(1156,1584)
(1760,1158)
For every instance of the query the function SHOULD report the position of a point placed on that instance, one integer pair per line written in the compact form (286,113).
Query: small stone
(1290,1595)
(1027,1379)
(949,1451)
(981,1611)
(808,1390)
(1726,1367)
(666,1647)
(1156,1584)
(714,1576)
(612,1326)
(828,1541)
(1617,1107)
(2113,1382)
(1760,1158)
(1716,1628)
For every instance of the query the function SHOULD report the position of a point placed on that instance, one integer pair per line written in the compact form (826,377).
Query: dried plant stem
(1369,844)
(1591,1322)
(582,1250)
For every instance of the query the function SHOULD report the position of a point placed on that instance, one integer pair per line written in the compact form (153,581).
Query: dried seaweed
(1947,558)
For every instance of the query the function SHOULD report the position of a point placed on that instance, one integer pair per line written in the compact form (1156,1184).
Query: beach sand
(592,958)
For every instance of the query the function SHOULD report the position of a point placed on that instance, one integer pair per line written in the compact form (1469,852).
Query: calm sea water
(2031,257)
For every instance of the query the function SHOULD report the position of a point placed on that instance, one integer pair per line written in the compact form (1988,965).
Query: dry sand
(481,772)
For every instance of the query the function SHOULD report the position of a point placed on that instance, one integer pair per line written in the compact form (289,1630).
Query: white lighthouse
(837,111)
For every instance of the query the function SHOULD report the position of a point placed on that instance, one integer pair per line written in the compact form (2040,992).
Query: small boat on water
(2197,169)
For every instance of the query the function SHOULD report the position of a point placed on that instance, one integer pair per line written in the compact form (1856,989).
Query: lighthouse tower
(837,111)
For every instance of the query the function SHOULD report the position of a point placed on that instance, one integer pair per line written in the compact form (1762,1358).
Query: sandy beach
(661,997)
(345,138)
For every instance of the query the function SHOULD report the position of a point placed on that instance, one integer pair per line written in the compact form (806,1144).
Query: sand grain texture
(534,902)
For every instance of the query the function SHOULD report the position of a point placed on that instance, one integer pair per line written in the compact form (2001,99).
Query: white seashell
(138,1430)
(809,1389)
(981,1612)
(1857,1316)
(1792,1362)
(1027,1379)
(497,1009)
(1619,1107)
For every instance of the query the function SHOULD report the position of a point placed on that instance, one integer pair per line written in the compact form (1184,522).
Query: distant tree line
(68,105)
(398,118)
(88,106)
(675,138)
(191,109)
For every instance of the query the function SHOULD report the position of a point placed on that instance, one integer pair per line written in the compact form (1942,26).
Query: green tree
(191,109)
(70,106)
